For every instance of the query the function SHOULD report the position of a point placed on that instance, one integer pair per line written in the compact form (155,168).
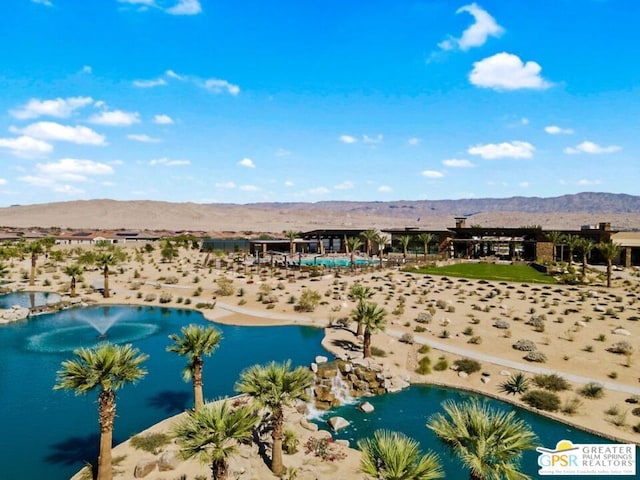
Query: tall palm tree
(373,318)
(573,242)
(353,244)
(360,293)
(610,251)
(104,257)
(291,236)
(108,368)
(381,240)
(369,237)
(556,238)
(404,241)
(489,442)
(34,249)
(275,386)
(74,271)
(212,434)
(586,246)
(196,342)
(394,456)
(426,239)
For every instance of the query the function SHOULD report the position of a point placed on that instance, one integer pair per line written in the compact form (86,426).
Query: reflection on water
(28,299)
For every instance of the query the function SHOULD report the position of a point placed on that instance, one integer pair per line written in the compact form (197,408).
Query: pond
(53,433)
(28,299)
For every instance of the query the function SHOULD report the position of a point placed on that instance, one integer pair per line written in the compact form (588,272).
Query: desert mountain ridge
(562,212)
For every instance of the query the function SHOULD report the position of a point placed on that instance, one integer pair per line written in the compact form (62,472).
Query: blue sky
(252,101)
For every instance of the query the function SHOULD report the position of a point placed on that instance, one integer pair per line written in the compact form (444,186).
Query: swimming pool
(334,262)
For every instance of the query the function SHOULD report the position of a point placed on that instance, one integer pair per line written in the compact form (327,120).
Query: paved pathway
(515,365)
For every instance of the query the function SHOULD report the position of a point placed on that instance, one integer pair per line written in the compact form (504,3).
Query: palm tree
(4,270)
(73,271)
(108,368)
(369,237)
(404,241)
(212,434)
(291,236)
(610,252)
(573,242)
(426,239)
(488,442)
(360,293)
(196,341)
(381,240)
(33,248)
(372,317)
(556,238)
(516,383)
(586,245)
(275,386)
(105,257)
(394,456)
(168,250)
(353,244)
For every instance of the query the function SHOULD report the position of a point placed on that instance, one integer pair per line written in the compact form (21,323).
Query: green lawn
(489,271)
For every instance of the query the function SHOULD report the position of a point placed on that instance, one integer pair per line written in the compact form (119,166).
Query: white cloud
(138,2)
(592,148)
(413,141)
(384,189)
(163,119)
(432,174)
(3,181)
(288,183)
(115,118)
(58,107)
(73,170)
(247,162)
(185,7)
(524,184)
(457,163)
(86,69)
(26,147)
(46,3)
(347,139)
(217,85)
(51,184)
(248,188)
(172,74)
(477,34)
(347,185)
(141,137)
(281,152)
(319,191)
(505,71)
(64,133)
(555,130)
(377,139)
(524,121)
(158,82)
(515,149)
(166,162)
(227,185)
(585,183)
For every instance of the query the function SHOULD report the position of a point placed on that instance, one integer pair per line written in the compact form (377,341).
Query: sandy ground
(578,330)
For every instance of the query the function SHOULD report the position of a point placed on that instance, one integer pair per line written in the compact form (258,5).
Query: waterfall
(341,390)
(313,413)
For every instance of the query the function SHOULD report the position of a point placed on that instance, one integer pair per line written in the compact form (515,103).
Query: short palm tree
(516,383)
(353,244)
(573,242)
(73,271)
(404,241)
(108,368)
(426,239)
(372,317)
(556,238)
(381,241)
(369,237)
(610,251)
(489,442)
(291,236)
(275,386)
(360,293)
(586,247)
(105,256)
(212,434)
(196,342)
(394,456)
(34,249)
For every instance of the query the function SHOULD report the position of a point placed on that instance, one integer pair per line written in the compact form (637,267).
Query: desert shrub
(542,400)
(149,297)
(441,365)
(308,301)
(225,286)
(475,340)
(419,329)
(407,338)
(139,295)
(468,331)
(501,324)
(150,442)
(571,405)
(525,345)
(516,383)
(537,323)
(424,349)
(467,365)
(187,301)
(424,317)
(424,366)
(623,347)
(290,442)
(551,382)
(592,390)
(535,356)
(205,305)
(378,352)
(171,280)
(165,297)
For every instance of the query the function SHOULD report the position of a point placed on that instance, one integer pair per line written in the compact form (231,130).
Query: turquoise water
(53,433)
(28,299)
(409,410)
(337,262)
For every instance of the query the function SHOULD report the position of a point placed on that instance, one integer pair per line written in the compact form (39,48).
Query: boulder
(169,460)
(337,423)
(314,367)
(621,331)
(505,373)
(463,374)
(484,379)
(366,407)
(395,384)
(307,425)
(144,467)
(14,314)
(321,359)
